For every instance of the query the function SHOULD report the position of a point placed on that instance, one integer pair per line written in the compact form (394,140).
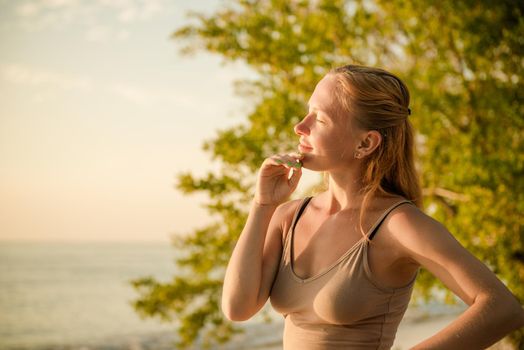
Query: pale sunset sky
(98,114)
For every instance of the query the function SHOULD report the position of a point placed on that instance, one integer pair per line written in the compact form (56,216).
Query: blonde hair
(378,100)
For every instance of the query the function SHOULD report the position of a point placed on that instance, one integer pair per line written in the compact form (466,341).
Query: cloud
(58,3)
(131,93)
(101,33)
(27,10)
(39,15)
(87,11)
(133,12)
(101,20)
(152,96)
(98,33)
(49,82)
(23,75)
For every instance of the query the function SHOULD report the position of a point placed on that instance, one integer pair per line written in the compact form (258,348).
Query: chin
(313,167)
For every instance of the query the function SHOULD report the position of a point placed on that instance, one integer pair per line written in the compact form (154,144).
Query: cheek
(342,146)
(334,146)
(340,138)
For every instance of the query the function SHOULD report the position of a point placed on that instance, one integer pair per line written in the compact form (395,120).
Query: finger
(289,160)
(292,161)
(282,160)
(276,160)
(297,155)
(295,177)
(294,156)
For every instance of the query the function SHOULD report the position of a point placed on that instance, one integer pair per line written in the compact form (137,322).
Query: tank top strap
(377,224)
(298,213)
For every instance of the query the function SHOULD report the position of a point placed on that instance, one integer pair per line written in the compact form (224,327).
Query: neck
(344,191)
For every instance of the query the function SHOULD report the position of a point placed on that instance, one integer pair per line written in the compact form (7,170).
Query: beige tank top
(344,306)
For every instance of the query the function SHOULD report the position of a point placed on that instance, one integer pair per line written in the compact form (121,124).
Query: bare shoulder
(424,240)
(407,214)
(407,219)
(283,215)
(279,224)
(413,230)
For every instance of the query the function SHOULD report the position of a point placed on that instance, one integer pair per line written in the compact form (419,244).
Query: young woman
(340,266)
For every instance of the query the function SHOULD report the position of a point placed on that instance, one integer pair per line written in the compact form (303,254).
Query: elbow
(503,309)
(515,314)
(511,312)
(234,315)
(515,318)
(237,305)
(234,312)
(519,318)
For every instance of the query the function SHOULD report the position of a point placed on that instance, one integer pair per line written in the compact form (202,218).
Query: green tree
(462,61)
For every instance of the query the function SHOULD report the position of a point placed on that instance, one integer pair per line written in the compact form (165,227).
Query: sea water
(75,293)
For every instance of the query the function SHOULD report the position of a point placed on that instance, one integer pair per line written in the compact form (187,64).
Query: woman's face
(327,137)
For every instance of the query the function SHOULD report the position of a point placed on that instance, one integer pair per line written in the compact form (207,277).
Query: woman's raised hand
(274,184)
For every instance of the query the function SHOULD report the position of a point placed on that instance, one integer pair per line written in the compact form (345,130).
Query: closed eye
(314,114)
(318,119)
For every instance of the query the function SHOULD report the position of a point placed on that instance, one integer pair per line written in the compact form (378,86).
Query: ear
(371,139)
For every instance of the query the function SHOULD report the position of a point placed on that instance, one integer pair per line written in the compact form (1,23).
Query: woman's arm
(493,310)
(255,258)
(243,274)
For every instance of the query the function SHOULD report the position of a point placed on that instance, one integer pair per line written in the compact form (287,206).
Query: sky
(99,112)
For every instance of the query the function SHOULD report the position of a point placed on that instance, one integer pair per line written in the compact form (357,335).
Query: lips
(304,148)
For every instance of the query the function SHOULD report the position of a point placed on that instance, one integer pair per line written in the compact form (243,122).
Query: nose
(301,127)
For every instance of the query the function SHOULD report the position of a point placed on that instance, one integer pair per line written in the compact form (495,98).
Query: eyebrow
(326,112)
(315,107)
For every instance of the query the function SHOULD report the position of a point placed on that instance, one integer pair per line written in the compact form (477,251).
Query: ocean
(78,296)
(58,294)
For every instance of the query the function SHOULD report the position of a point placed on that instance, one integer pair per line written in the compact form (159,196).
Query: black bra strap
(384,216)
(373,232)
(301,210)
